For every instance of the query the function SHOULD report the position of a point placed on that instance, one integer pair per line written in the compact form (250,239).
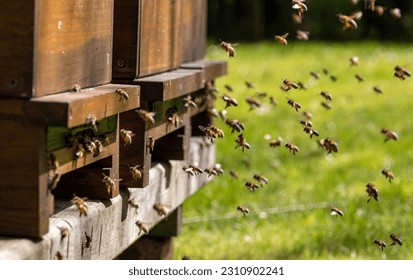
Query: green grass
(290,217)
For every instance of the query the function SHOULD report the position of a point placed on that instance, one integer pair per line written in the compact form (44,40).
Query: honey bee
(54,174)
(372,192)
(249,84)
(136,173)
(369,4)
(81,205)
(357,15)
(336,211)
(64,232)
(307,115)
(150,143)
(287,85)
(294,104)
(253,102)
(261,179)
(193,169)
(326,95)
(315,75)
(109,183)
(377,90)
(390,135)
(276,142)
(251,186)
(401,72)
(211,131)
(245,211)
(301,85)
(333,78)
(329,145)
(273,101)
(142,227)
(379,10)
(210,172)
(396,13)
(303,35)
(396,240)
(75,88)
(293,148)
(218,169)
(126,136)
(88,240)
(359,78)
(299,6)
(188,102)
(311,131)
(229,101)
(326,105)
(123,95)
(174,119)
(229,48)
(242,143)
(306,123)
(235,125)
(160,209)
(148,117)
(229,88)
(296,19)
(380,243)
(387,174)
(354,61)
(282,39)
(347,21)
(59,256)
(133,203)
(233,174)
(92,121)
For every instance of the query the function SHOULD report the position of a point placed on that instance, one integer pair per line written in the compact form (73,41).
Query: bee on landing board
(161,209)
(142,227)
(109,183)
(81,205)
(228,48)
(245,211)
(123,95)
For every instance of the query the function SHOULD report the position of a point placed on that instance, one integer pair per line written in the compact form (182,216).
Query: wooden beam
(211,69)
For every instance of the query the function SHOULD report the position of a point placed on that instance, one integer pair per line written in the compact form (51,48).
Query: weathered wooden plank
(146,37)
(112,222)
(72,109)
(24,197)
(169,85)
(48,46)
(211,69)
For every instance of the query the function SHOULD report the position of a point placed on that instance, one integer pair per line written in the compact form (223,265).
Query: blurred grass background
(290,217)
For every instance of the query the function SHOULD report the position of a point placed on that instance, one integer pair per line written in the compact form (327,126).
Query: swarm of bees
(86,142)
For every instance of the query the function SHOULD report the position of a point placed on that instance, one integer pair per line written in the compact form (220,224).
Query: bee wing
(285,35)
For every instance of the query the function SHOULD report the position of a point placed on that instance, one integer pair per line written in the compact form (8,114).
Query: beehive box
(49,46)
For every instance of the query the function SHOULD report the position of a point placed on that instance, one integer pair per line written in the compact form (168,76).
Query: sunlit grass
(290,217)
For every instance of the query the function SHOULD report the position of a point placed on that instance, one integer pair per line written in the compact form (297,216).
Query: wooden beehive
(49,46)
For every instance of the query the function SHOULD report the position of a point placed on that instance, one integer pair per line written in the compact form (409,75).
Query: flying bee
(401,72)
(126,136)
(379,10)
(276,142)
(306,123)
(136,173)
(109,183)
(133,203)
(282,39)
(92,121)
(307,115)
(294,104)
(161,209)
(396,13)
(359,78)
(229,101)
(249,84)
(64,232)
(229,88)
(380,243)
(212,112)
(326,95)
(273,101)
(299,6)
(387,174)
(123,95)
(242,143)
(150,143)
(354,61)
(311,131)
(188,102)
(336,211)
(210,172)
(218,169)
(235,125)
(303,35)
(396,240)
(233,174)
(147,117)
(245,211)
(229,48)
(81,205)
(193,169)
(53,180)
(251,186)
(372,192)
(329,145)
(301,85)
(347,21)
(326,105)
(390,135)
(261,179)
(293,148)
(253,102)
(333,78)
(377,90)
(315,75)
(142,227)
(287,85)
